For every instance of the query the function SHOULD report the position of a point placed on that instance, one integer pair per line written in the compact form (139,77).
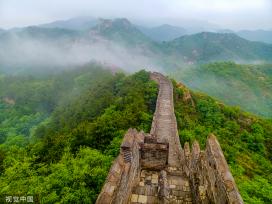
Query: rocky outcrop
(154,168)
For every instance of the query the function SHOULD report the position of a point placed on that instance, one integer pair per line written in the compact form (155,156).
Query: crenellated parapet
(124,171)
(210,178)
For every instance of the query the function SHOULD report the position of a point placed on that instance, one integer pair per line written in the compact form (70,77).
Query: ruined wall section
(224,182)
(154,155)
(124,171)
(210,178)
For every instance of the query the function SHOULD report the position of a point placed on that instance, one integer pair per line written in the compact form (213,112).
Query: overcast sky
(233,14)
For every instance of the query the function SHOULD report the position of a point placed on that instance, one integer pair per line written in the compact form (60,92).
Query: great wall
(154,168)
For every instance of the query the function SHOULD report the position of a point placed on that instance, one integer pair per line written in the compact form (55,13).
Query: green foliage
(74,179)
(209,111)
(62,154)
(247,86)
(99,115)
(245,140)
(25,101)
(209,47)
(257,190)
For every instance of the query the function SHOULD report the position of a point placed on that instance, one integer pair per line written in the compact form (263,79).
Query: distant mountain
(206,47)
(120,30)
(46,33)
(191,26)
(225,31)
(116,42)
(79,23)
(121,43)
(164,32)
(35,35)
(256,35)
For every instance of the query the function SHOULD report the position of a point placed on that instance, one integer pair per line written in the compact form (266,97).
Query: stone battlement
(210,178)
(124,171)
(154,168)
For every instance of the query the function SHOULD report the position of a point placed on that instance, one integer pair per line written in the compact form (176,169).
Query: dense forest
(59,133)
(246,140)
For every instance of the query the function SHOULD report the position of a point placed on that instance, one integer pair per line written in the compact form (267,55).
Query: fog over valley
(24,50)
(120,43)
(152,35)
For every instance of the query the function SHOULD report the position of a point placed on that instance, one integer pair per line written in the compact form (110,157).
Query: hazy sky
(233,14)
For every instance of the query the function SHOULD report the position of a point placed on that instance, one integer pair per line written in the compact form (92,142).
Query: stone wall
(175,149)
(154,168)
(154,155)
(155,77)
(210,178)
(124,171)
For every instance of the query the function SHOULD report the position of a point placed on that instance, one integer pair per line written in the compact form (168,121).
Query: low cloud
(26,52)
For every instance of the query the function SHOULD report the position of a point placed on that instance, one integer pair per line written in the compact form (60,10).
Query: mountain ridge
(164,32)
(77,23)
(174,28)
(120,36)
(119,29)
(256,35)
(209,46)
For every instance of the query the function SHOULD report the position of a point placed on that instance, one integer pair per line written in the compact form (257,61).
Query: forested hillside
(248,86)
(119,43)
(246,140)
(209,47)
(59,133)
